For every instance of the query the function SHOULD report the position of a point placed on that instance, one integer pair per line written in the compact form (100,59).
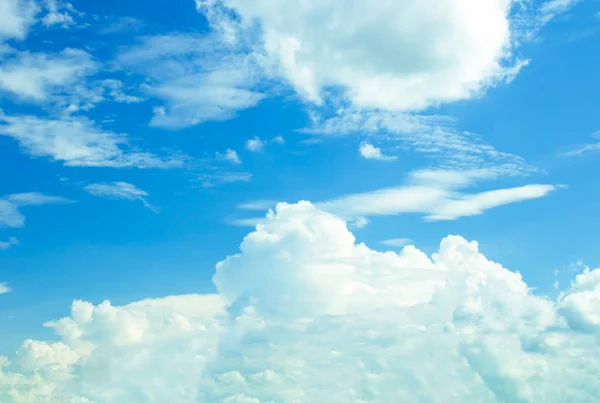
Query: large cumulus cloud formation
(401,54)
(305,314)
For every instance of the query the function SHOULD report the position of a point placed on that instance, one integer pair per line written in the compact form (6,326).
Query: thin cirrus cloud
(396,242)
(12,241)
(370,152)
(119,191)
(10,206)
(196,77)
(77,141)
(302,299)
(582,149)
(433,202)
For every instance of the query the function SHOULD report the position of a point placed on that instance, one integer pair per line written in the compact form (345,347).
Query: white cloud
(370,152)
(4,288)
(16,17)
(38,76)
(359,223)
(435,200)
(443,50)
(10,214)
(230,156)
(212,179)
(582,149)
(263,205)
(278,140)
(305,314)
(119,191)
(551,8)
(435,137)
(396,242)
(77,141)
(255,144)
(12,241)
(115,91)
(196,77)
(59,13)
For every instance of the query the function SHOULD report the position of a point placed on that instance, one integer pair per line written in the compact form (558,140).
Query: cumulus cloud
(230,156)
(59,13)
(10,213)
(16,16)
(78,141)
(370,152)
(442,51)
(255,144)
(119,191)
(306,314)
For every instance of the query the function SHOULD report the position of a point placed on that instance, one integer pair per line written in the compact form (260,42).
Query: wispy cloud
(212,179)
(122,24)
(36,77)
(10,205)
(435,137)
(119,191)
(59,13)
(261,205)
(12,241)
(396,242)
(370,152)
(230,156)
(196,76)
(78,141)
(582,149)
(434,201)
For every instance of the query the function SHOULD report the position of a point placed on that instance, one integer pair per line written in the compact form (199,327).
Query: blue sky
(141,141)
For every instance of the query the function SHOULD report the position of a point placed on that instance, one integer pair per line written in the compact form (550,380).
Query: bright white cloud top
(305,314)
(370,152)
(443,50)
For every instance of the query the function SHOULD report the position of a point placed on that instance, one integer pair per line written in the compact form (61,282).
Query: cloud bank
(306,314)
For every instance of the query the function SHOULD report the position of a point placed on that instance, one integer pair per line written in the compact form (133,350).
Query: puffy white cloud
(37,76)
(16,16)
(255,144)
(77,141)
(59,13)
(12,241)
(305,314)
(230,156)
(196,77)
(10,214)
(370,152)
(393,55)
(119,191)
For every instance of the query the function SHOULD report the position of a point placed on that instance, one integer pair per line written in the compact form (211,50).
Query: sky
(252,201)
